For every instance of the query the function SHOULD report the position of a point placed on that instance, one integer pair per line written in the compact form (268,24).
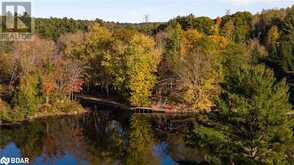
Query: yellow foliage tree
(199,70)
(142,61)
(125,60)
(272,37)
(190,39)
(219,41)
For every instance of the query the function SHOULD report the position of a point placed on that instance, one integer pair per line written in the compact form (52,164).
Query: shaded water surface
(104,137)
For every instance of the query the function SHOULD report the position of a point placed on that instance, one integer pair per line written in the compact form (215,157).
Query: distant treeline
(240,26)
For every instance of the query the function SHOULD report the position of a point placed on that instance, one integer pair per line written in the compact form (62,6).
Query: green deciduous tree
(242,21)
(173,45)
(228,29)
(27,97)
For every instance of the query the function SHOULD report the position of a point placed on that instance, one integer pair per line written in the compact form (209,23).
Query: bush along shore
(10,115)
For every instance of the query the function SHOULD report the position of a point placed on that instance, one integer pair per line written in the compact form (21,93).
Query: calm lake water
(104,137)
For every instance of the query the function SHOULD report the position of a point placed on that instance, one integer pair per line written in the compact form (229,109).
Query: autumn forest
(236,70)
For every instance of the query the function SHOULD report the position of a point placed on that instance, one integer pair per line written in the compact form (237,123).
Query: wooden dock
(119,105)
(103,101)
(146,110)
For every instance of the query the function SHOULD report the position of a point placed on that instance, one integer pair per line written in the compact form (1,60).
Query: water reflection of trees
(140,142)
(94,139)
(99,138)
(102,138)
(172,131)
(106,137)
(28,139)
(49,138)
(63,137)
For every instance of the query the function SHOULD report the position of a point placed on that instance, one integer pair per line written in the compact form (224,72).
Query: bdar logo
(4,160)
(14,160)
